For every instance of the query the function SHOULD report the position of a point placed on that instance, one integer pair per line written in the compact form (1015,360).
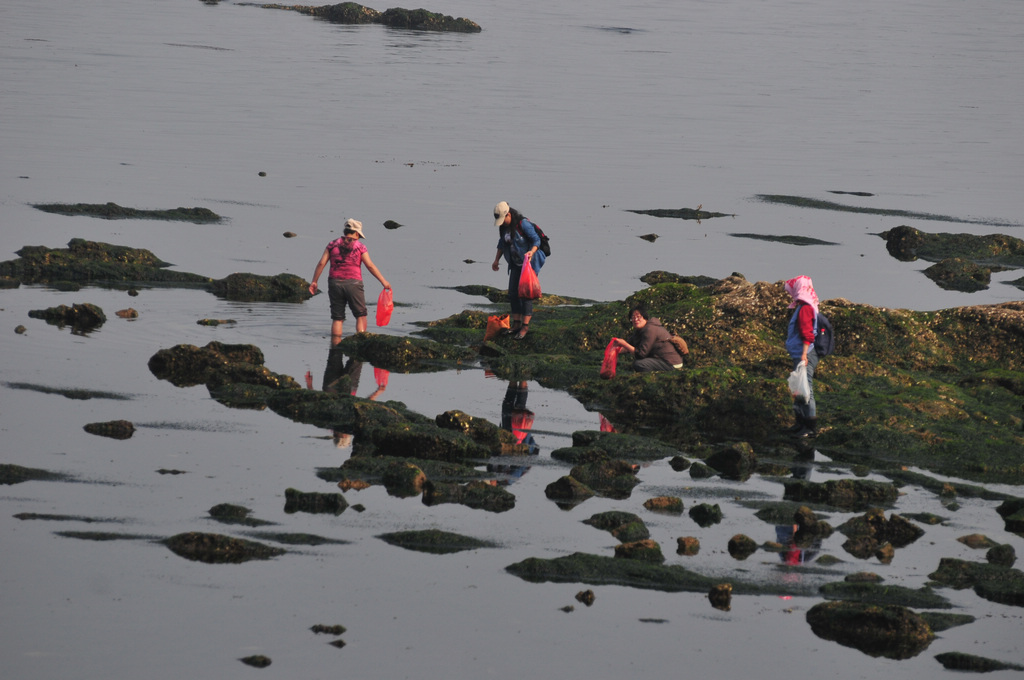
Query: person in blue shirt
(517,241)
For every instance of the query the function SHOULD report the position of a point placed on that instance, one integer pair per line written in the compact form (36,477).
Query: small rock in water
(650,237)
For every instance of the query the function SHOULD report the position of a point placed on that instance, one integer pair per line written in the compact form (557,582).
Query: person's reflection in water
(518,420)
(797,549)
(334,373)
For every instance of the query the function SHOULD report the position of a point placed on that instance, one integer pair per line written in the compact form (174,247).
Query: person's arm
(319,270)
(497,259)
(530,234)
(805,327)
(644,342)
(624,345)
(372,268)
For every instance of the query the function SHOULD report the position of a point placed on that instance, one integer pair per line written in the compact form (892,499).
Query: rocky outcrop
(396,17)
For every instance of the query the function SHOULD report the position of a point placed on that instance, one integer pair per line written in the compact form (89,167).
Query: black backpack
(545,245)
(824,338)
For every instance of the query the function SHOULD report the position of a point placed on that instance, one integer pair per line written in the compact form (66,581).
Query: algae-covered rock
(624,526)
(411,19)
(888,631)
(706,514)
(842,493)
(434,541)
(216,365)
(895,530)
(959,661)
(993,582)
(956,273)
(598,570)
(741,546)
(623,446)
(313,502)
(734,462)
(697,213)
(228,513)
(476,495)
(567,489)
(720,596)
(668,504)
(82,317)
(645,550)
(245,287)
(687,545)
(218,549)
(114,429)
(16,474)
(94,262)
(397,353)
(870,592)
(256,661)
(113,211)
(610,478)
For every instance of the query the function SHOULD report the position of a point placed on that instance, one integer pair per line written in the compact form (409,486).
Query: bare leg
(361,324)
(336,331)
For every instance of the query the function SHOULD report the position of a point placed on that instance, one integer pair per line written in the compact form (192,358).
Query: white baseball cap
(500,211)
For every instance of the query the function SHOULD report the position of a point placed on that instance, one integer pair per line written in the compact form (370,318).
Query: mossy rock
(397,17)
(314,502)
(959,661)
(82,317)
(16,474)
(113,211)
(434,541)
(218,549)
(993,582)
(112,429)
(245,287)
(889,631)
(842,493)
(476,495)
(876,593)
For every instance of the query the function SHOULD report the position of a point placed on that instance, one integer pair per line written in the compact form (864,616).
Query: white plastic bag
(798,385)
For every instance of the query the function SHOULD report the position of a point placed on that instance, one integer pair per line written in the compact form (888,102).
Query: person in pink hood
(800,345)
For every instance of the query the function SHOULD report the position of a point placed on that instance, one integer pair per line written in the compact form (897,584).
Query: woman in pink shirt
(346,256)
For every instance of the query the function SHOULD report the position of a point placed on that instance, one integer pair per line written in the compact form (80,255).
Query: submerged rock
(889,631)
(218,549)
(434,541)
(959,661)
(16,474)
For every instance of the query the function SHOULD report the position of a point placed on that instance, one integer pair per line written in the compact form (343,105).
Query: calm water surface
(575,115)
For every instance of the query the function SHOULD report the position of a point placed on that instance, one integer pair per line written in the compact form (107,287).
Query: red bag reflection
(529,284)
(385,305)
(381,376)
(611,360)
(522,421)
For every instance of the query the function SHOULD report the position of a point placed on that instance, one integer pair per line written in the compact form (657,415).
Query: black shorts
(346,292)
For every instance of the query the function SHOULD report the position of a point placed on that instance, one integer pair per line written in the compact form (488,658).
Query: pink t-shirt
(346,265)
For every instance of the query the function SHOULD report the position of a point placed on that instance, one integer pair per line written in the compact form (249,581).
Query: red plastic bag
(529,284)
(606,425)
(385,305)
(611,359)
(495,324)
(381,375)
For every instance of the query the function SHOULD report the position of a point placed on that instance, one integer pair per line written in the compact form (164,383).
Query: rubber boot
(798,423)
(810,429)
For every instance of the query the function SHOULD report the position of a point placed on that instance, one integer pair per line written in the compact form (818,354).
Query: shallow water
(574,115)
